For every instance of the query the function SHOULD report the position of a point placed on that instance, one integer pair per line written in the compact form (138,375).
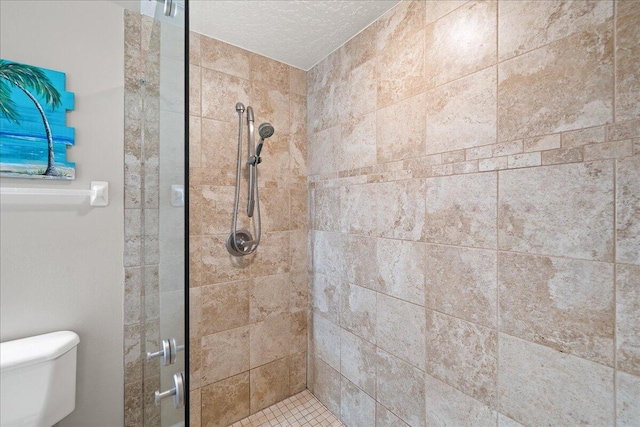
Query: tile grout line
(428,243)
(615,187)
(496,402)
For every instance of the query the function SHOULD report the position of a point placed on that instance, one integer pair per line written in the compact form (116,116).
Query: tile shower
(248,315)
(466,178)
(474,185)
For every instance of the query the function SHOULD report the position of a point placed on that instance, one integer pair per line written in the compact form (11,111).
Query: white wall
(61,264)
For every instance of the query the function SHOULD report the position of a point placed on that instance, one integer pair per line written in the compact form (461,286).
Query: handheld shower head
(265,130)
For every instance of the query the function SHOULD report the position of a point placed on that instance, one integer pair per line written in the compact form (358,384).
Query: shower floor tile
(300,410)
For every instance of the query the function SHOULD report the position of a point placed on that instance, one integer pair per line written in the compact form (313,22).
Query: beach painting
(33,132)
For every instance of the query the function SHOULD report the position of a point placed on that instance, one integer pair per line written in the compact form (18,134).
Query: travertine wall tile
(400,329)
(132,353)
(217,209)
(628,313)
(461,210)
(624,7)
(358,312)
(402,216)
(558,210)
(401,388)
(524,160)
(400,69)
(225,306)
(325,336)
(327,292)
(226,401)
(386,418)
(400,270)
(326,385)
(327,248)
(436,9)
(275,209)
(195,408)
(547,142)
(269,384)
(357,408)
(532,101)
(225,58)
(401,130)
(608,150)
(297,372)
(358,361)
(218,266)
(216,138)
(526,25)
(269,297)
(446,406)
(358,148)
(195,91)
(493,164)
(627,66)
(463,355)
(297,81)
(623,130)
(504,421)
(323,150)
(540,386)
(195,141)
(269,72)
(399,24)
(270,339)
(326,209)
(271,105)
(225,354)
(194,48)
(275,256)
(360,49)
(299,335)
(562,156)
(462,282)
(578,138)
(628,406)
(565,304)
(507,148)
(628,210)
(462,114)
(461,43)
(220,93)
(357,92)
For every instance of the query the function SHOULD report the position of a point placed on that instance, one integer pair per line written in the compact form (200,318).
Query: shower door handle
(177,392)
(167,353)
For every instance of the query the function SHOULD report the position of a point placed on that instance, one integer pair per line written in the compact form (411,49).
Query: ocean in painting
(26,155)
(23,145)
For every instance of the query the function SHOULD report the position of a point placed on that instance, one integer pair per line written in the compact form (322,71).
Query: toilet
(38,379)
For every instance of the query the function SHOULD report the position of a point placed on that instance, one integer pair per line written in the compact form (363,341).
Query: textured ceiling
(296,32)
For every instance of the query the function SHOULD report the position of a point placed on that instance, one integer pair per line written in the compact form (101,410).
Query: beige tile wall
(248,338)
(474,186)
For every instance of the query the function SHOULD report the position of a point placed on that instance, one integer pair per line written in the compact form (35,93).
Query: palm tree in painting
(29,78)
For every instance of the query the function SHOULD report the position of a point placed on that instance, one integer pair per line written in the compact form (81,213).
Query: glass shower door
(163,220)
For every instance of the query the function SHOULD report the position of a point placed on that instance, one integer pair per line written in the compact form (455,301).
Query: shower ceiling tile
(299,33)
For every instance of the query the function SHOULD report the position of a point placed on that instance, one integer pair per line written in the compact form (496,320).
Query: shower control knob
(177,392)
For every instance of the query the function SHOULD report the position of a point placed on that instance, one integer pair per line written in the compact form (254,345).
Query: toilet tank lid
(31,350)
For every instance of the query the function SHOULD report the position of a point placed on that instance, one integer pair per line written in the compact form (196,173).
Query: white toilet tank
(38,379)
